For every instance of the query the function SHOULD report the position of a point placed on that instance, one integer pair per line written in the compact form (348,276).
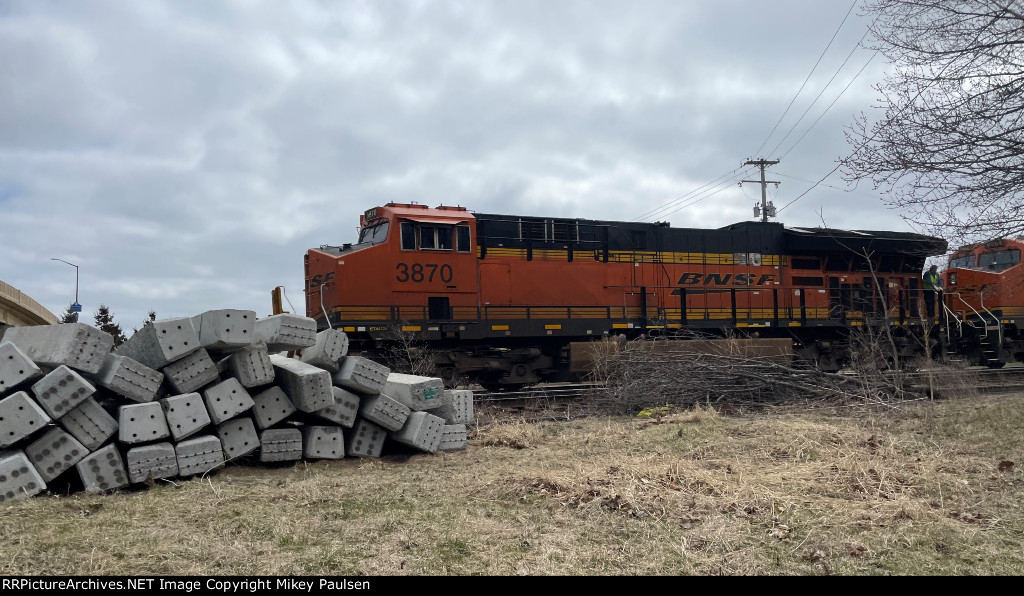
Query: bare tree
(407,354)
(950,146)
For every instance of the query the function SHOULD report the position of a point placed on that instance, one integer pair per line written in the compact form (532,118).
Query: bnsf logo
(726,279)
(313,284)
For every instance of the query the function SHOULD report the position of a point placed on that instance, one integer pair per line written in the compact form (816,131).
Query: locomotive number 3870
(423,272)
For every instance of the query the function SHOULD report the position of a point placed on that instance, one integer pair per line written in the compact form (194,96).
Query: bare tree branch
(949,147)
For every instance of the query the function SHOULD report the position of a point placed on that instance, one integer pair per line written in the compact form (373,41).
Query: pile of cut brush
(639,378)
(183,396)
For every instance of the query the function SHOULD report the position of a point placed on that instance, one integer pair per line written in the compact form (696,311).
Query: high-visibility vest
(931,280)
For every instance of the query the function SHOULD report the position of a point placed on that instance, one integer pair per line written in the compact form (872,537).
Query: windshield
(374,234)
(962,262)
(999,260)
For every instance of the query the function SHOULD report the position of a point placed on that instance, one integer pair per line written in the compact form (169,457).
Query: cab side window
(462,239)
(417,236)
(427,240)
(408,236)
(444,238)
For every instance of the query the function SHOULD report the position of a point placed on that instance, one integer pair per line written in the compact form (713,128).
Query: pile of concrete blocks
(184,396)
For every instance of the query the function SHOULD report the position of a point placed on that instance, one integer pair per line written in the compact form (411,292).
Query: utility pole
(764,211)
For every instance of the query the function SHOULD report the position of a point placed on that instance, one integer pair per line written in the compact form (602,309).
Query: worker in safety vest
(932,290)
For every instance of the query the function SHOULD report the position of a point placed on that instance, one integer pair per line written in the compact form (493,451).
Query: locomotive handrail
(959,326)
(995,319)
(983,320)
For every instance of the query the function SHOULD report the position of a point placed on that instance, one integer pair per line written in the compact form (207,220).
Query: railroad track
(547,391)
(984,380)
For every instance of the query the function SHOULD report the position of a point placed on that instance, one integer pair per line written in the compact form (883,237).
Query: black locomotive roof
(813,240)
(768,237)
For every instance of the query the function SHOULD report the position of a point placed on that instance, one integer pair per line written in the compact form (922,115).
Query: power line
(879,129)
(792,101)
(722,187)
(820,93)
(820,116)
(846,190)
(656,211)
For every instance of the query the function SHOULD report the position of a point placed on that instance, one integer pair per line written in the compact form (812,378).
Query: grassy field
(925,488)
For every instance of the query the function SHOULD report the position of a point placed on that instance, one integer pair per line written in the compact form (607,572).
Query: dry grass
(922,489)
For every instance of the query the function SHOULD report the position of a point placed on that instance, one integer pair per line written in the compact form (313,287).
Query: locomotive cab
(410,263)
(986,275)
(984,288)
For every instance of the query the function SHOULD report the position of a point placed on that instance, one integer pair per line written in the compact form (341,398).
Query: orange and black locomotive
(503,299)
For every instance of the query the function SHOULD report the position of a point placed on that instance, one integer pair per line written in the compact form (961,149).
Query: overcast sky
(186,154)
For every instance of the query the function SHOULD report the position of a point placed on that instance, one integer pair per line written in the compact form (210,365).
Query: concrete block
(365,440)
(250,365)
(20,418)
(456,407)
(186,414)
(226,400)
(225,329)
(192,372)
(270,407)
(199,455)
(18,478)
(382,410)
(160,343)
(280,444)
(286,332)
(142,423)
(61,390)
(89,423)
(330,347)
(344,410)
(361,375)
(416,392)
(453,437)
(103,470)
(422,430)
(323,442)
(129,378)
(238,437)
(151,462)
(76,345)
(15,367)
(308,387)
(54,453)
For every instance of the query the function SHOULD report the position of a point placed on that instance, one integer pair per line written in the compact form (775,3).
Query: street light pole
(76,307)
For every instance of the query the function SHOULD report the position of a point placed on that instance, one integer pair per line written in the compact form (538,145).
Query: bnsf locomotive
(983,301)
(504,300)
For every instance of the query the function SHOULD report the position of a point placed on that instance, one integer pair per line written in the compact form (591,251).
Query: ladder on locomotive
(987,327)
